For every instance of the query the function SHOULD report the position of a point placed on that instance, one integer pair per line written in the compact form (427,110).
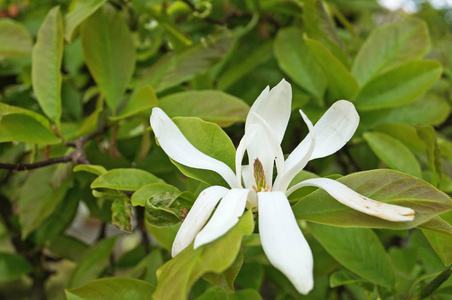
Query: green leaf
(210,139)
(144,99)
(399,86)
(39,198)
(93,169)
(439,234)
(435,283)
(15,41)
(13,266)
(164,235)
(109,52)
(357,249)
(427,134)
(67,247)
(81,10)
(147,267)
(181,66)
(298,61)
(405,133)
(92,263)
(209,105)
(176,36)
(121,214)
(124,179)
(113,289)
(168,208)
(383,185)
(393,153)
(142,195)
(47,58)
(343,277)
(390,46)
(341,84)
(189,265)
(225,280)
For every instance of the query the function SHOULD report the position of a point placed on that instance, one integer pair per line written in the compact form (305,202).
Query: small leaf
(189,265)
(390,46)
(393,153)
(46,65)
(209,105)
(124,179)
(427,134)
(80,11)
(297,60)
(92,263)
(168,208)
(357,249)
(109,52)
(15,41)
(93,169)
(112,288)
(13,266)
(435,283)
(142,195)
(38,199)
(144,99)
(341,83)
(343,277)
(383,185)
(121,214)
(399,86)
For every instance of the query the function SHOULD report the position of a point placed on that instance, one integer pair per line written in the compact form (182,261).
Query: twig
(24,167)
(142,227)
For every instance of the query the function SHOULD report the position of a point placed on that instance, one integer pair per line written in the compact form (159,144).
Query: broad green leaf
(81,10)
(144,99)
(47,58)
(298,61)
(390,46)
(168,208)
(209,105)
(429,109)
(92,263)
(189,265)
(181,66)
(13,266)
(383,185)
(225,280)
(343,277)
(393,153)
(357,249)
(427,134)
(39,198)
(124,179)
(399,86)
(210,139)
(439,234)
(15,41)
(23,128)
(341,84)
(113,289)
(143,194)
(93,169)
(148,266)
(121,214)
(109,52)
(164,235)
(67,247)
(405,133)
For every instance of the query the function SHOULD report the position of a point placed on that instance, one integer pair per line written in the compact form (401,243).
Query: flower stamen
(259,177)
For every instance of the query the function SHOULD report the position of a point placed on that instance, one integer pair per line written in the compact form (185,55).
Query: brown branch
(24,167)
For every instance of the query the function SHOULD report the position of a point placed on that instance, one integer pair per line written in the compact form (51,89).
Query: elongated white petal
(283,242)
(224,218)
(197,217)
(334,129)
(178,148)
(274,107)
(349,197)
(246,140)
(298,159)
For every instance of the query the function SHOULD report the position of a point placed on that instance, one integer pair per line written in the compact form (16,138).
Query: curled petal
(298,159)
(349,197)
(197,217)
(274,107)
(246,140)
(224,218)
(283,242)
(178,148)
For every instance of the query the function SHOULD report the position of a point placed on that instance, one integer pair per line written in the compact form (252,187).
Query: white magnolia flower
(281,238)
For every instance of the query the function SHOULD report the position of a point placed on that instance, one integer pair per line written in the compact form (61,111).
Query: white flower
(281,238)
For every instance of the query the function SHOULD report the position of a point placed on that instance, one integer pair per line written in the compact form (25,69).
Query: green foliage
(79,81)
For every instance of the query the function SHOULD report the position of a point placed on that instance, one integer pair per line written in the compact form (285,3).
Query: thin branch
(143,231)
(25,167)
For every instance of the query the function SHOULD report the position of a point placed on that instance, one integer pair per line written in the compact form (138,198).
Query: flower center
(259,177)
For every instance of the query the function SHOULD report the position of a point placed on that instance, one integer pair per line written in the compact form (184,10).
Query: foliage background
(79,80)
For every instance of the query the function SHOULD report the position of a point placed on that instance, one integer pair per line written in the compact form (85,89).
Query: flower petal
(197,217)
(298,159)
(283,242)
(274,107)
(224,218)
(178,148)
(246,140)
(349,197)
(334,129)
